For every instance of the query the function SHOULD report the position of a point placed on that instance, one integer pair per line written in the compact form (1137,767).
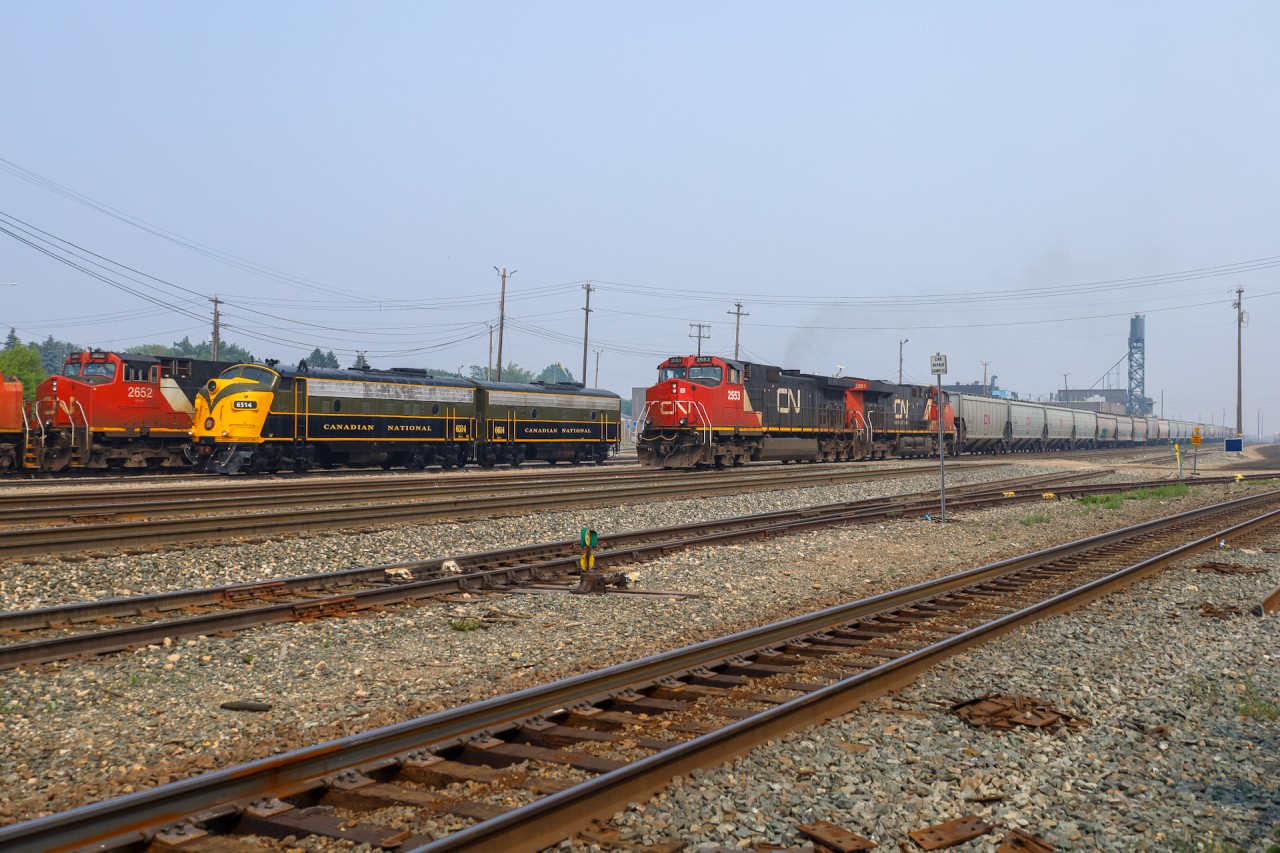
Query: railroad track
(203,514)
(621,733)
(100,627)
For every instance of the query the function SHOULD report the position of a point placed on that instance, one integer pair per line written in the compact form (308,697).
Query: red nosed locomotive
(115,410)
(708,411)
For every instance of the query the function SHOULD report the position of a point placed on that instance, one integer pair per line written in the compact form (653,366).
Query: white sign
(938,364)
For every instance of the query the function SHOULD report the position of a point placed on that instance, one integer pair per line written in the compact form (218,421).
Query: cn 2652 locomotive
(266,417)
(114,410)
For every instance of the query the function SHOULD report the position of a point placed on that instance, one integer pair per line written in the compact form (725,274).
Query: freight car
(13,423)
(710,411)
(265,417)
(115,410)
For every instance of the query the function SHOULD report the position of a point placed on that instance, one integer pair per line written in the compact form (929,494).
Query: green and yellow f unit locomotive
(267,418)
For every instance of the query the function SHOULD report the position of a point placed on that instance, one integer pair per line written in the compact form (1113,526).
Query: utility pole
(586,322)
(597,382)
(488,368)
(1064,386)
(1239,306)
(984,377)
(699,334)
(737,326)
(217,326)
(900,343)
(502,315)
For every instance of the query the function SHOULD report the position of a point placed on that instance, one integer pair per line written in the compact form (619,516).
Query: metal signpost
(938,366)
(1195,453)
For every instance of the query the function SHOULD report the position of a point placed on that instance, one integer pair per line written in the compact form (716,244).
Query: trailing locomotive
(114,410)
(712,411)
(13,423)
(265,418)
(708,411)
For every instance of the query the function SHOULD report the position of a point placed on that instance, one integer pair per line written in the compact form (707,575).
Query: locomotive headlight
(208,423)
(684,422)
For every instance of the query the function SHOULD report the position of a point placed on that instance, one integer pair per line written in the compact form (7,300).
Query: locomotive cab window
(100,370)
(72,369)
(709,375)
(734,378)
(671,373)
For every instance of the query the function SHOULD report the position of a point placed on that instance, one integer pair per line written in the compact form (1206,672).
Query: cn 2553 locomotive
(707,411)
(265,418)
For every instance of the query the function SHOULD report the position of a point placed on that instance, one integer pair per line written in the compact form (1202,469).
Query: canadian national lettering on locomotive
(267,418)
(707,411)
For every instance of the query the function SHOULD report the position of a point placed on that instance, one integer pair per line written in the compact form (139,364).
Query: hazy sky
(1000,182)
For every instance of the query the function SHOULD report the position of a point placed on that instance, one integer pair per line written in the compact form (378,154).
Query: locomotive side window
(706,375)
(734,378)
(671,373)
(337,405)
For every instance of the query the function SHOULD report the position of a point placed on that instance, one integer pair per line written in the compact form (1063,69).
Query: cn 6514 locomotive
(266,417)
(114,410)
(708,411)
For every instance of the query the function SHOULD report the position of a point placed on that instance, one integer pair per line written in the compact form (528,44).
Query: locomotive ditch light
(684,422)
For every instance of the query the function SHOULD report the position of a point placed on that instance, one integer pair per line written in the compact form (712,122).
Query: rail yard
(729,613)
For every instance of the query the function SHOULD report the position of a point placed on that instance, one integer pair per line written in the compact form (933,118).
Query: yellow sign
(1195,438)
(587,561)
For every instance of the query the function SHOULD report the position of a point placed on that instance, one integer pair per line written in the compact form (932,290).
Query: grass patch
(1253,704)
(464,624)
(1175,490)
(1035,519)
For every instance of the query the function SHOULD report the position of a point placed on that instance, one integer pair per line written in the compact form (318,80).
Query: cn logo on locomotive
(792,403)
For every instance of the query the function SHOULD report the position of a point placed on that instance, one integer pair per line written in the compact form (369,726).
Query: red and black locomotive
(114,410)
(710,411)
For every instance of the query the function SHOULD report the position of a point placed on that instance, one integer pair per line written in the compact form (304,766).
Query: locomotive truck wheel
(8,461)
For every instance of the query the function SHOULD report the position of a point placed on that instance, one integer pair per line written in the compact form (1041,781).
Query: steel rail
(59,539)
(134,818)
(64,614)
(542,562)
(322,488)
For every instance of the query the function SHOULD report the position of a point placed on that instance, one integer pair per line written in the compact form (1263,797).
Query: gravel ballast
(78,731)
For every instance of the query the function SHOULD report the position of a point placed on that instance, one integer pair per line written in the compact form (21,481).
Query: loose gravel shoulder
(78,731)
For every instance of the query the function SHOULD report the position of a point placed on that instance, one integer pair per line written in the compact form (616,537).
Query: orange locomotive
(13,422)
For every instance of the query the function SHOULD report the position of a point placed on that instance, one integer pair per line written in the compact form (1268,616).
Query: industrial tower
(1137,403)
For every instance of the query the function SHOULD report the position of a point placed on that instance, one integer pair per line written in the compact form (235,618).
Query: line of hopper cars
(708,411)
(109,410)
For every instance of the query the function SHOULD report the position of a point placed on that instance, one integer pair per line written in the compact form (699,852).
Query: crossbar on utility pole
(700,334)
